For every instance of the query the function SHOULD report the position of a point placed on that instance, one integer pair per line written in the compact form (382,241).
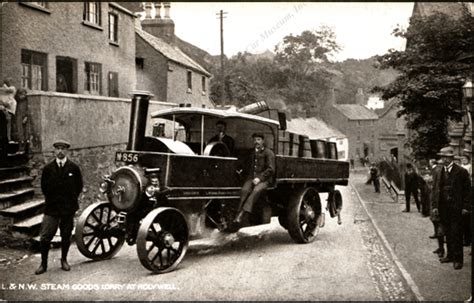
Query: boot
(64,250)
(44,249)
(238,218)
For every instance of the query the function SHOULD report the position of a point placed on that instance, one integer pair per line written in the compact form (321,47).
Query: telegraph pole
(221,15)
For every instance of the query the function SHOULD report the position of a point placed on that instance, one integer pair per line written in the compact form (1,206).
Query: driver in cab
(223,137)
(260,178)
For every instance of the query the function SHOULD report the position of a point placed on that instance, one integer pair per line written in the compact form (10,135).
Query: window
(93,76)
(66,74)
(203,84)
(33,70)
(190,81)
(92,12)
(140,63)
(113,84)
(39,6)
(113,27)
(42,4)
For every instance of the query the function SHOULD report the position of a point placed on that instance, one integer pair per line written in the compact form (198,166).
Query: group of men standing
(450,201)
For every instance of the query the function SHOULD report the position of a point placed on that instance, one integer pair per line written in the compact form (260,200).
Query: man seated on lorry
(260,178)
(223,137)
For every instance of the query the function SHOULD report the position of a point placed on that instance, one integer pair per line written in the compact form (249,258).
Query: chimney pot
(157,10)
(167,7)
(148,7)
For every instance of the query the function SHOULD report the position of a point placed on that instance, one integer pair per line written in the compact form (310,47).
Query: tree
(295,76)
(302,53)
(431,77)
(302,57)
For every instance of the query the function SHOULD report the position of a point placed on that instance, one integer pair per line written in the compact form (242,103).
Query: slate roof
(171,52)
(313,128)
(356,112)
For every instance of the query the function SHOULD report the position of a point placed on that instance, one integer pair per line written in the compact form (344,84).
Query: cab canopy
(198,125)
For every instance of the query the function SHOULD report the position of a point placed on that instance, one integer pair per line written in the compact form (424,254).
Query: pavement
(406,236)
(399,252)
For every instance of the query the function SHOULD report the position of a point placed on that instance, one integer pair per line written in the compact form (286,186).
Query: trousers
(50,225)
(250,194)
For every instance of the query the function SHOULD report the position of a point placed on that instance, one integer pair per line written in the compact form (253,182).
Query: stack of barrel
(291,144)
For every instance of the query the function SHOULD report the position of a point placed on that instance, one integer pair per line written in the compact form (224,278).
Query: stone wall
(59,30)
(84,120)
(95,162)
(178,87)
(153,76)
(96,127)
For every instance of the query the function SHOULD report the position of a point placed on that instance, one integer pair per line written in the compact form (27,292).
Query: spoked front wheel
(98,236)
(162,240)
(304,215)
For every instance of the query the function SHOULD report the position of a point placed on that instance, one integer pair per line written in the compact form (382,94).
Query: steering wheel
(217,148)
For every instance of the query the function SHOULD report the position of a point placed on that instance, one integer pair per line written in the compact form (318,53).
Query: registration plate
(126,157)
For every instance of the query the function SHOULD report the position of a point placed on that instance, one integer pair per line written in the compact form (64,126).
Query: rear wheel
(283,220)
(98,236)
(162,240)
(334,203)
(304,214)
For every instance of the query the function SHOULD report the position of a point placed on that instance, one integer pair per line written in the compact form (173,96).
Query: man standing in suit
(263,169)
(452,204)
(61,183)
(411,188)
(439,233)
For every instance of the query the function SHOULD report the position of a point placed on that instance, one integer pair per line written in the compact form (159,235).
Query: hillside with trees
(297,77)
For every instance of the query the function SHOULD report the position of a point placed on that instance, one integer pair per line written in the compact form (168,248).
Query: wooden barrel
(318,149)
(332,150)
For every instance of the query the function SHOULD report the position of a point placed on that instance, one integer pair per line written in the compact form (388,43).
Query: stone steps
(22,208)
(13,172)
(28,226)
(13,197)
(20,212)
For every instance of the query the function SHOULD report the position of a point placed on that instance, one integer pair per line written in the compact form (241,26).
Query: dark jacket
(61,188)
(227,140)
(412,182)
(263,165)
(435,185)
(453,193)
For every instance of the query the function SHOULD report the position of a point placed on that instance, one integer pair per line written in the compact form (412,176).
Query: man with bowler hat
(61,183)
(453,202)
(260,178)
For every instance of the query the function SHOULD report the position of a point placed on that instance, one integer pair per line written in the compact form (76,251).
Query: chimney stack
(360,97)
(161,26)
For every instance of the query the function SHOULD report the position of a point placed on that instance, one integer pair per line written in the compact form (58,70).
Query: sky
(362,29)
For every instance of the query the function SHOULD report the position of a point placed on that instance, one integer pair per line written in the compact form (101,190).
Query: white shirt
(61,163)
(449,167)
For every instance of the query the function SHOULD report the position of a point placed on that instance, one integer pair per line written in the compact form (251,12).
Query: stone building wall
(153,76)
(178,87)
(95,162)
(96,127)
(60,31)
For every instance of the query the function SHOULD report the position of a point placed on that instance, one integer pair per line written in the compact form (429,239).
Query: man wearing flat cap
(452,203)
(61,183)
(260,178)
